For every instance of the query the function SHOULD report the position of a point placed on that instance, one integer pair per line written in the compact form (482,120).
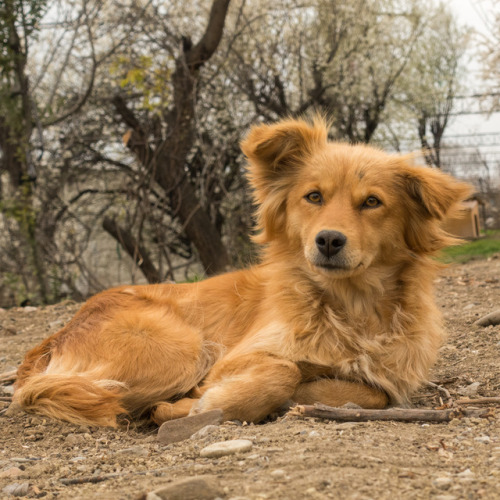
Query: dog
(339,310)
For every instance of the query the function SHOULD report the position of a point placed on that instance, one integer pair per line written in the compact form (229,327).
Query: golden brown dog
(340,309)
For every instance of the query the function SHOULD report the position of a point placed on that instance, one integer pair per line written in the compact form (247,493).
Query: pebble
(204,432)
(12,472)
(17,489)
(445,497)
(490,319)
(469,390)
(226,448)
(278,473)
(73,439)
(183,428)
(483,439)
(193,488)
(443,483)
(137,451)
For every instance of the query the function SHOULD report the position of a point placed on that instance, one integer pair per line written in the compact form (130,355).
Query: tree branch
(208,43)
(138,253)
(394,414)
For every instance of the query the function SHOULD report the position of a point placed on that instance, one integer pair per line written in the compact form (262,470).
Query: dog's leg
(169,411)
(249,387)
(333,392)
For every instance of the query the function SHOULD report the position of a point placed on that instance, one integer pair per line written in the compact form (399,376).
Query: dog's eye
(371,202)
(314,197)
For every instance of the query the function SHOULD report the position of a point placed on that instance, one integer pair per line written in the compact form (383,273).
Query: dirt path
(291,458)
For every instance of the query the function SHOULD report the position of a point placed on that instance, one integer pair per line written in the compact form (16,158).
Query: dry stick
(397,414)
(478,401)
(440,388)
(105,477)
(6,399)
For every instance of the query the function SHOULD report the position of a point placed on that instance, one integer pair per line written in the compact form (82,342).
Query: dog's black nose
(330,243)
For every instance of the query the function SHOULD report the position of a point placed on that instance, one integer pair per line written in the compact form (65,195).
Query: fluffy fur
(340,309)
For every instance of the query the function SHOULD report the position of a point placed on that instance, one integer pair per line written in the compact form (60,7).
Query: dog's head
(345,208)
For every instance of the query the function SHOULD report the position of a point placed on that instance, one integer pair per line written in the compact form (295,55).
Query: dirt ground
(290,458)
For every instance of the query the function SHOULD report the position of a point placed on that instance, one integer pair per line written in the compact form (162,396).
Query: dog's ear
(432,196)
(274,150)
(275,153)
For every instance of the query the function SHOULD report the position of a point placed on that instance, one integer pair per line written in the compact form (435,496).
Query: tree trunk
(168,160)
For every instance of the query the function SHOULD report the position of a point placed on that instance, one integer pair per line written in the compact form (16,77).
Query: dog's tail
(74,398)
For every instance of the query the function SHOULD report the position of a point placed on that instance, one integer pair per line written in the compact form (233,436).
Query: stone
(490,319)
(226,448)
(469,390)
(192,488)
(443,483)
(73,439)
(183,428)
(204,432)
(136,451)
(483,439)
(278,473)
(17,489)
(12,472)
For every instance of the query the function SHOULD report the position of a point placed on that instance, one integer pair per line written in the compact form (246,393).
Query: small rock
(137,451)
(73,439)
(17,489)
(467,473)
(278,473)
(352,406)
(226,448)
(12,472)
(443,483)
(490,319)
(29,309)
(483,439)
(445,497)
(314,434)
(204,431)
(183,428)
(193,488)
(469,390)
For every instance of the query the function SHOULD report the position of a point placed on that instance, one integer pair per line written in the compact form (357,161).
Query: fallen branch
(395,414)
(478,401)
(440,388)
(113,475)
(8,376)
(6,399)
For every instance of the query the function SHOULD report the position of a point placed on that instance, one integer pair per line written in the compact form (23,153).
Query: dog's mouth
(338,267)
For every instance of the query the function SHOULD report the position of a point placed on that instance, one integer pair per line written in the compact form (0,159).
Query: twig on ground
(105,477)
(395,414)
(6,399)
(440,388)
(479,401)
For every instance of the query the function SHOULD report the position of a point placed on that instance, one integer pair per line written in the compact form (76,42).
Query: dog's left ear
(275,152)
(432,196)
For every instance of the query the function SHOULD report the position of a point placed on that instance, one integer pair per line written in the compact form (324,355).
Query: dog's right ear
(275,152)
(278,149)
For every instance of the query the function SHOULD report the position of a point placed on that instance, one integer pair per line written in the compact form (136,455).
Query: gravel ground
(289,458)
